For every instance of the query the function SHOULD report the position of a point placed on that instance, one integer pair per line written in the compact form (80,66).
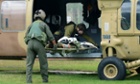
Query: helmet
(40,13)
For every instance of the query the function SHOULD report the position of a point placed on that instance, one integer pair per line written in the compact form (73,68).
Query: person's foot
(45,81)
(29,82)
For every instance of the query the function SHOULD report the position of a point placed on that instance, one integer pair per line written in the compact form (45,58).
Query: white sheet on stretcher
(84,46)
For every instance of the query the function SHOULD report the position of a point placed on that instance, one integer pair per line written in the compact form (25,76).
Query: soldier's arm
(28,30)
(89,39)
(50,35)
(69,30)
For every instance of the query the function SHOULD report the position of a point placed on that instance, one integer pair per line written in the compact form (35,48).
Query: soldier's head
(80,28)
(39,14)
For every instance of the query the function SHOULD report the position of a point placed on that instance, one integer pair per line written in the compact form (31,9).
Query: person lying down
(71,45)
(72,42)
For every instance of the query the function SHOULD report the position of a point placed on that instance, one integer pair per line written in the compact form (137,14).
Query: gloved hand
(55,47)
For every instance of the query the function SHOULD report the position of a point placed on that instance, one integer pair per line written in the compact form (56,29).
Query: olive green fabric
(36,48)
(40,31)
(37,34)
(89,39)
(69,29)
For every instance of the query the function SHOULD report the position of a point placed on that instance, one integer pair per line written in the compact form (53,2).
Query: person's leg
(43,62)
(29,63)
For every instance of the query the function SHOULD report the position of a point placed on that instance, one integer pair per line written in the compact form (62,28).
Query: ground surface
(13,72)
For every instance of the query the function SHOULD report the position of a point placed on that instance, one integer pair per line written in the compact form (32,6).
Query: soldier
(36,37)
(71,29)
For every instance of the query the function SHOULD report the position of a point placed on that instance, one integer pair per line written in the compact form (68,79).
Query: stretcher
(72,47)
(66,50)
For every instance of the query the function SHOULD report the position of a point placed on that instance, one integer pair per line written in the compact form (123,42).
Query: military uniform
(70,31)
(89,39)
(37,34)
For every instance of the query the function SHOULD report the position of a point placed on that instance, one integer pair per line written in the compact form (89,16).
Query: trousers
(35,48)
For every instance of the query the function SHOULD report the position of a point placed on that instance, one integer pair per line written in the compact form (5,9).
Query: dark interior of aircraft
(57,8)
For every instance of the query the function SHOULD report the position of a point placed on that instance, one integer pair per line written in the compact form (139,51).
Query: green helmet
(40,13)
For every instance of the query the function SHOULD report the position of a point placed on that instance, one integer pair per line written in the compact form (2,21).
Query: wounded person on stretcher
(69,41)
(72,42)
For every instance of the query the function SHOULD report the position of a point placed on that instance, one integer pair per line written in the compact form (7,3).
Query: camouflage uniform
(36,42)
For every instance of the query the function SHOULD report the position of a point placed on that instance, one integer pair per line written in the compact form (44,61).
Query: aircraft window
(74,12)
(138,15)
(126,13)
(13,16)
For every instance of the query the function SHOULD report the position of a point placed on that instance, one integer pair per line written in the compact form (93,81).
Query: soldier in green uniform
(71,29)
(36,37)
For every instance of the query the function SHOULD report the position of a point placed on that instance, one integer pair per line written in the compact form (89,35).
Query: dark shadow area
(85,76)
(136,77)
